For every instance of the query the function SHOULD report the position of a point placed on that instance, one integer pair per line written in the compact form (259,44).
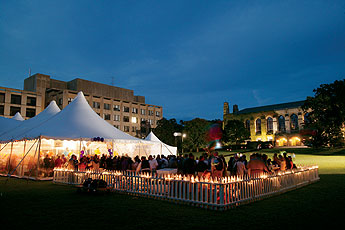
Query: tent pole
(80,146)
(33,157)
(4,146)
(38,154)
(38,158)
(22,171)
(9,159)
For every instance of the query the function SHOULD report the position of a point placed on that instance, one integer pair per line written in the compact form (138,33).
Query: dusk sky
(187,56)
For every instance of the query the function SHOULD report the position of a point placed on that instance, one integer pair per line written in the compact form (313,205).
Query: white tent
(7,124)
(164,149)
(18,117)
(77,121)
(26,125)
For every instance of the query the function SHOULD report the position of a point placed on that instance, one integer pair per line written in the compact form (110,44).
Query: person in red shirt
(58,162)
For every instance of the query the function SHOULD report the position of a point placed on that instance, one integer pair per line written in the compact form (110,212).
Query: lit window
(135,110)
(116,117)
(116,107)
(134,120)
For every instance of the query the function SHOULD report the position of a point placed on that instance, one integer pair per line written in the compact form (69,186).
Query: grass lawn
(27,204)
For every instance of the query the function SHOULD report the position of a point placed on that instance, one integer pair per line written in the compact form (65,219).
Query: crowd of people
(206,165)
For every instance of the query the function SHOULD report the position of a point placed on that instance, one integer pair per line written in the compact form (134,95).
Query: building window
(70,100)
(258,126)
(247,125)
(96,105)
(30,112)
(143,111)
(2,98)
(150,112)
(150,121)
(135,110)
(134,129)
(269,125)
(116,107)
(14,110)
(134,120)
(106,106)
(106,117)
(60,101)
(126,128)
(294,122)
(281,124)
(125,119)
(158,114)
(116,117)
(125,109)
(31,101)
(16,99)
(2,110)
(306,119)
(117,126)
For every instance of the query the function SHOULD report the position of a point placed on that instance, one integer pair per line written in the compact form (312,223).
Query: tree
(235,133)
(326,114)
(165,130)
(196,131)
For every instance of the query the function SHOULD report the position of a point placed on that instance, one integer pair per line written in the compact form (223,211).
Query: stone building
(119,106)
(279,123)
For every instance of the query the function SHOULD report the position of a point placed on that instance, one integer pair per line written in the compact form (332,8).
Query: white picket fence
(214,193)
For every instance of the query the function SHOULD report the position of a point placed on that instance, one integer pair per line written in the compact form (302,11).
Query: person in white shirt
(153,164)
(240,167)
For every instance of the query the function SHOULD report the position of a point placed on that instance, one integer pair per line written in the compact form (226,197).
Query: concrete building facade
(27,103)
(118,106)
(279,123)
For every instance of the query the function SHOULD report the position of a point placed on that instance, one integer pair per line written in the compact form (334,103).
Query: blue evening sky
(187,56)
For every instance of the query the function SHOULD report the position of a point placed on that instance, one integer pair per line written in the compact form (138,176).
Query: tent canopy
(77,121)
(7,124)
(26,125)
(164,148)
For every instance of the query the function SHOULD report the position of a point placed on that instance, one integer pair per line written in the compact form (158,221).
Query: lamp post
(183,136)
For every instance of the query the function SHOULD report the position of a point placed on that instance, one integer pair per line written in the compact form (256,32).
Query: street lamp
(183,136)
(176,134)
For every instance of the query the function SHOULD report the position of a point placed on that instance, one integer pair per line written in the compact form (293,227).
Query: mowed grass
(37,204)
(330,161)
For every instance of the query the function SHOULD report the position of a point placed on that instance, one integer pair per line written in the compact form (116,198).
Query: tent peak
(18,117)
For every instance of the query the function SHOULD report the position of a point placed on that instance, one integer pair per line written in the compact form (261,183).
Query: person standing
(201,167)
(190,165)
(256,165)
(217,165)
(153,164)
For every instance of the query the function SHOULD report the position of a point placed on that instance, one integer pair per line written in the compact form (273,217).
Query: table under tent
(74,130)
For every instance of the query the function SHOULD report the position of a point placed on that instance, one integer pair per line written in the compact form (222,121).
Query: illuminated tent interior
(77,128)
(161,148)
